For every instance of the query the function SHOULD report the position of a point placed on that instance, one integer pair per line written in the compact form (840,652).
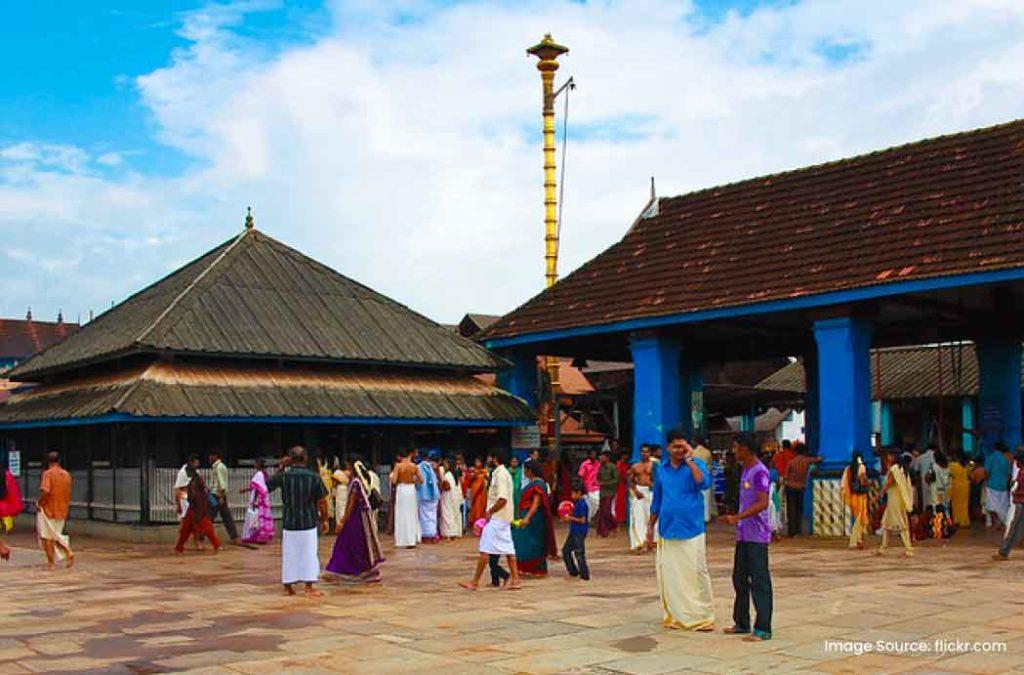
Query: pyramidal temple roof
(254,296)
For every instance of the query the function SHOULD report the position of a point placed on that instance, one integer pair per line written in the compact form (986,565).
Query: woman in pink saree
(259,521)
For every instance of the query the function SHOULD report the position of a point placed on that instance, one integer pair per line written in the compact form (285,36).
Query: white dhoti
(299,559)
(52,529)
(639,515)
(451,514)
(685,583)
(428,519)
(496,539)
(407,522)
(593,503)
(998,502)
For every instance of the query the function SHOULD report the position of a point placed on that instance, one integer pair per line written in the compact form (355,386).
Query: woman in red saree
(534,539)
(620,496)
(477,491)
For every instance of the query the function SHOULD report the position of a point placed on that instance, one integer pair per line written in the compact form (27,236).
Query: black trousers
(574,553)
(750,577)
(498,573)
(225,515)
(794,511)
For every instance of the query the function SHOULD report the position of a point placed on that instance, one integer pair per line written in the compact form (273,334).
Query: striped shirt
(301,489)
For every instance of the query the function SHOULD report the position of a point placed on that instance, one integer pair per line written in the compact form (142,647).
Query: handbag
(214,502)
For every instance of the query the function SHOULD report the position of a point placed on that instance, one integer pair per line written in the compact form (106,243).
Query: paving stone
(137,608)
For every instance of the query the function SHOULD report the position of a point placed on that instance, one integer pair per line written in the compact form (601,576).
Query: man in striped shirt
(304,502)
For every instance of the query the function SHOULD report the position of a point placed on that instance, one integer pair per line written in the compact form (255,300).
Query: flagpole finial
(249,222)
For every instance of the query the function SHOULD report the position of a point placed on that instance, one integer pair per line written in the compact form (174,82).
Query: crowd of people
(666,504)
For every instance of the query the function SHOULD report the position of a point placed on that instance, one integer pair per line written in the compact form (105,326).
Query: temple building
(917,244)
(21,338)
(250,348)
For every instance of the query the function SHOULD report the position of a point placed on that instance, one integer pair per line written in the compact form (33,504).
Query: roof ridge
(370,294)
(845,160)
(192,284)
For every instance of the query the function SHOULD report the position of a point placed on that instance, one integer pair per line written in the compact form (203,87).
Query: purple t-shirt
(757,528)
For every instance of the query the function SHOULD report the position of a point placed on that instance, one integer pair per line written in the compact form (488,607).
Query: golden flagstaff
(548,51)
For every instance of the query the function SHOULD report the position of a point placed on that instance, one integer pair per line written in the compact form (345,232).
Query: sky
(398,141)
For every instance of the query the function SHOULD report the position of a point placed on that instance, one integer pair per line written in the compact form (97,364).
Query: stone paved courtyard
(138,608)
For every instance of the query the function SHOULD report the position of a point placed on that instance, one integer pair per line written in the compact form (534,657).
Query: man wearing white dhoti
(681,563)
(641,477)
(405,477)
(496,538)
(428,494)
(52,511)
(304,507)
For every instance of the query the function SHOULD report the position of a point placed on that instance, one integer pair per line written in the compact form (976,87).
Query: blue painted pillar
(657,388)
(692,400)
(811,416)
(747,421)
(967,424)
(844,389)
(885,423)
(999,398)
(521,379)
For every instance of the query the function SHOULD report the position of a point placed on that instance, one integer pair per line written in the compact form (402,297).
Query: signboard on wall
(14,462)
(526,437)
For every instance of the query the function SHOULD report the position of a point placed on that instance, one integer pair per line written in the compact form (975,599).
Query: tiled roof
(21,338)
(182,390)
(939,207)
(904,372)
(766,422)
(254,296)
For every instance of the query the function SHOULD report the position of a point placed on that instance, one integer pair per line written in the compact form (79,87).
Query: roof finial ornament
(28,315)
(654,193)
(60,316)
(249,222)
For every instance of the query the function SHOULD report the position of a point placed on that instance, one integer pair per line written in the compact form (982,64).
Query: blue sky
(78,61)
(75,83)
(396,140)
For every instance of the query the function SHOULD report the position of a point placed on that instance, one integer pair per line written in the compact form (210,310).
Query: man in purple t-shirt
(750,575)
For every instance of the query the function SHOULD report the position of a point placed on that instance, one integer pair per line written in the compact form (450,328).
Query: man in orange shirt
(782,457)
(52,511)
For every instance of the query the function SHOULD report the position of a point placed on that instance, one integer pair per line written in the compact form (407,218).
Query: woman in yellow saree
(855,488)
(960,490)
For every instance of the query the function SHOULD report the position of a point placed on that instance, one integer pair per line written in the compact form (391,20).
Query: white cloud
(404,152)
(110,159)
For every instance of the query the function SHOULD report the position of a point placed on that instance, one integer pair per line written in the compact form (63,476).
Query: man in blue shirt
(678,511)
(997,487)
(429,495)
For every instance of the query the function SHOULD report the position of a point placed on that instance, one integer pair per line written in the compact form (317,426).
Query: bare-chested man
(405,476)
(641,479)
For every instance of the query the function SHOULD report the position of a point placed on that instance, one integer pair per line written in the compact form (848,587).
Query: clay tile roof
(938,207)
(254,296)
(21,338)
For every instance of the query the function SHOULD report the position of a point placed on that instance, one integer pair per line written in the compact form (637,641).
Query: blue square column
(811,415)
(999,397)
(692,401)
(844,389)
(657,390)
(967,424)
(521,379)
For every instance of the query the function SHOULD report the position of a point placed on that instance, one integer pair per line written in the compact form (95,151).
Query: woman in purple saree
(259,520)
(357,552)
